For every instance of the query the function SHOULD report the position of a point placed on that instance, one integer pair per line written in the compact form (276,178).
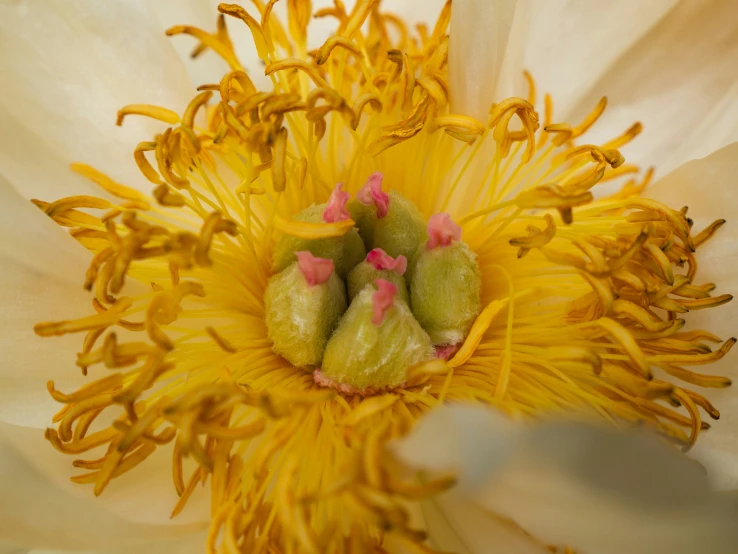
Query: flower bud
(378,265)
(445,290)
(303,305)
(376,341)
(345,251)
(402,230)
(371,204)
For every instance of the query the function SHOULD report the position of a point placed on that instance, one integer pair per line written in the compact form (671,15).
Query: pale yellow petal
(38,513)
(596,489)
(41,268)
(708,187)
(207,67)
(678,80)
(68,66)
(573,43)
(484,34)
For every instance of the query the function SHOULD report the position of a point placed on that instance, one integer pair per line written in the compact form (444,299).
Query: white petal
(41,268)
(573,43)
(606,492)
(453,523)
(707,186)
(457,525)
(598,490)
(460,450)
(678,80)
(191,544)
(481,41)
(67,66)
(36,512)
(144,495)
(208,67)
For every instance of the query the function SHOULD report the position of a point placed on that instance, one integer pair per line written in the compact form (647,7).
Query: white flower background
(66,66)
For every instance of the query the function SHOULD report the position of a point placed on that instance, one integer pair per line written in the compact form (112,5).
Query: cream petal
(10,548)
(187,545)
(707,187)
(41,268)
(208,67)
(678,79)
(596,489)
(147,495)
(482,38)
(68,66)
(243,43)
(461,426)
(36,512)
(144,495)
(572,43)
(610,493)
(457,525)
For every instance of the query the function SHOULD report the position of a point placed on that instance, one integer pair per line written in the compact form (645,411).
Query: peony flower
(540,272)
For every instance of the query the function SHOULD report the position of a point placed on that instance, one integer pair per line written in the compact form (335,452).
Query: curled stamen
(155,112)
(215,223)
(536,238)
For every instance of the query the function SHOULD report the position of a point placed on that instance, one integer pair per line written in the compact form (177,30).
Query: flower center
(428,295)
(537,296)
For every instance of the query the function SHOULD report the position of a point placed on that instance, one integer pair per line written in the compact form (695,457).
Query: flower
(180,273)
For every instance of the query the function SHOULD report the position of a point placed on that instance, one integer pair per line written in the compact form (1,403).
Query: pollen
(482,266)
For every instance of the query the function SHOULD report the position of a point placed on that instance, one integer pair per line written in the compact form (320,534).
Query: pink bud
(383,300)
(336,208)
(316,270)
(442,231)
(379,259)
(371,193)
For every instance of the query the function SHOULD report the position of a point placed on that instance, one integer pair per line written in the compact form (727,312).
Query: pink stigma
(442,231)
(372,193)
(336,208)
(383,300)
(379,259)
(316,270)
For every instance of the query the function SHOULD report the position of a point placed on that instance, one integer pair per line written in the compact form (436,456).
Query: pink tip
(336,208)
(372,193)
(442,231)
(381,260)
(316,270)
(447,351)
(383,300)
